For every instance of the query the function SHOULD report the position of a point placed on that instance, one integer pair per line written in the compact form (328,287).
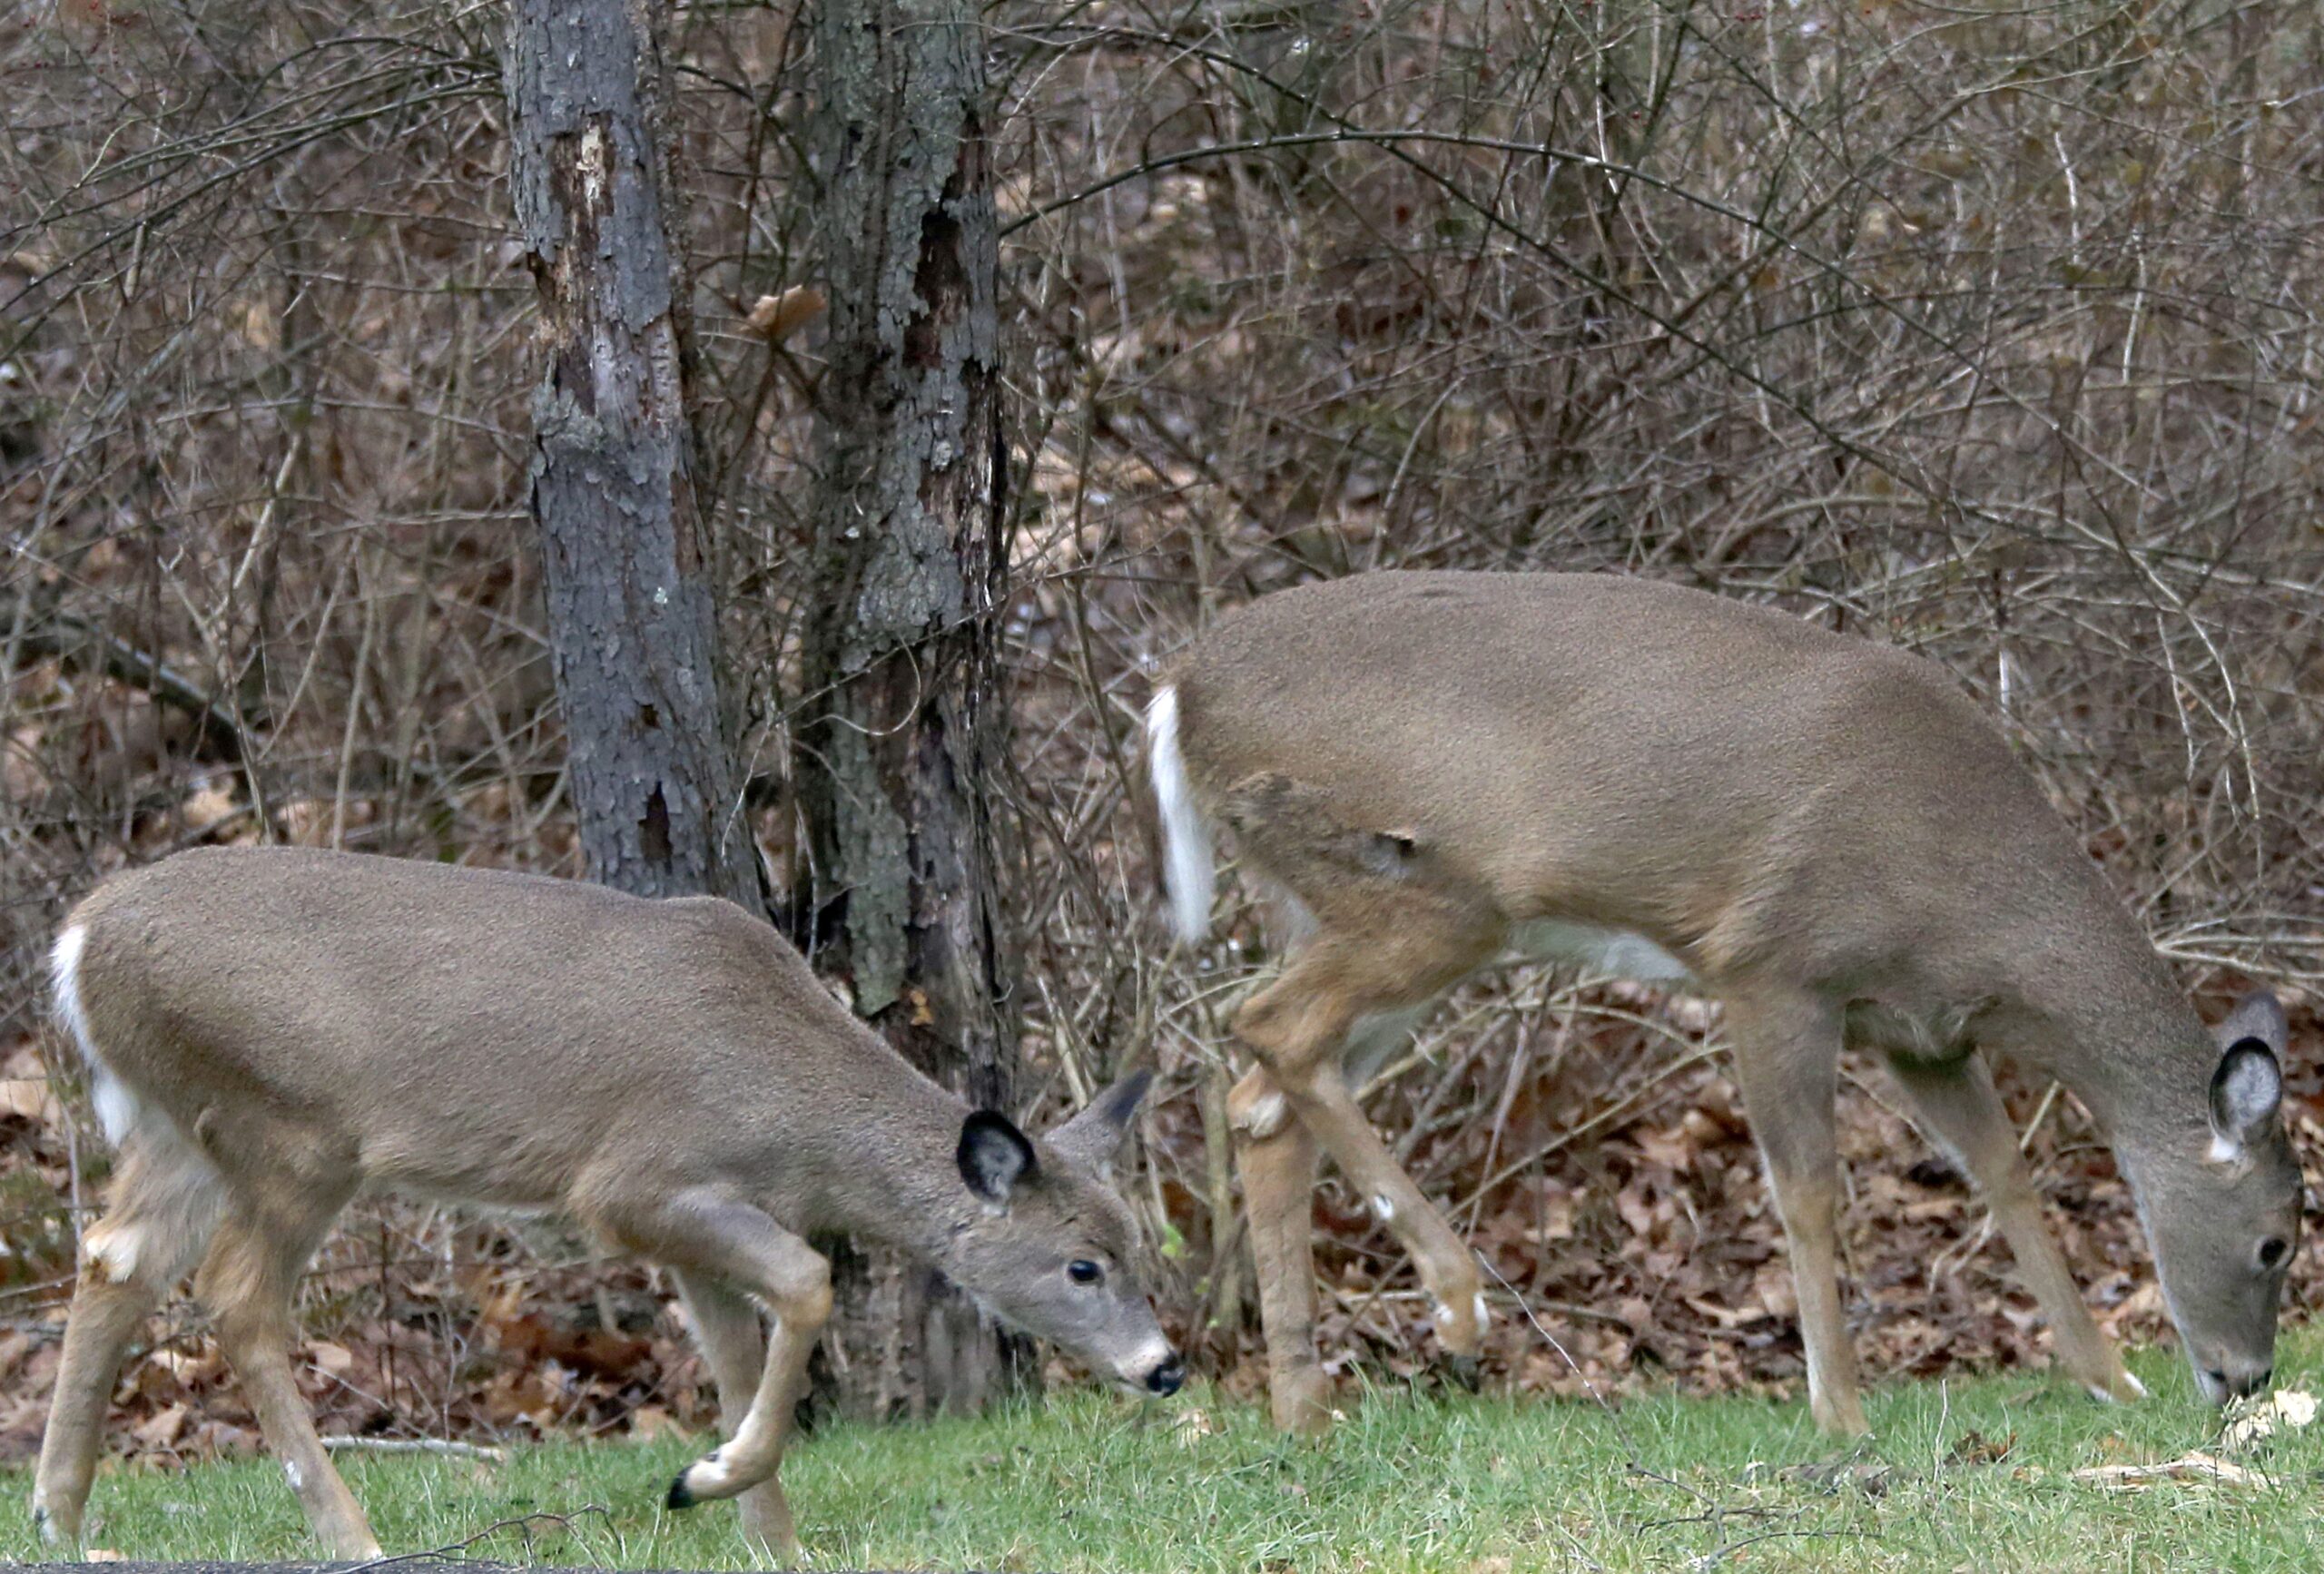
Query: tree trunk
(632,591)
(903,730)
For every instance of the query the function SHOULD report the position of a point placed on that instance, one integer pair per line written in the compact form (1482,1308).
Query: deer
(1443,772)
(269,1031)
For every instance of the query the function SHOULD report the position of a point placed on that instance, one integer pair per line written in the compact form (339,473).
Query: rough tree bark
(903,720)
(631,583)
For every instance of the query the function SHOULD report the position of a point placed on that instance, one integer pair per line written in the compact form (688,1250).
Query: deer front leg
(1961,1112)
(712,1237)
(733,1346)
(1786,1062)
(1276,1156)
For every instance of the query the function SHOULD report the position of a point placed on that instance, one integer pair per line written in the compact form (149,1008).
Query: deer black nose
(2240,1381)
(1167,1377)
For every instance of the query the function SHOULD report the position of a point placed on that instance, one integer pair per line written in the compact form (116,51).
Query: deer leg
(734,1347)
(1446,1268)
(247,1280)
(1787,1063)
(1963,1115)
(104,1319)
(714,1236)
(161,1209)
(1276,1156)
(1296,1026)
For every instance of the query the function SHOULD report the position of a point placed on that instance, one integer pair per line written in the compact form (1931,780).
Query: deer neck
(2129,1045)
(902,1186)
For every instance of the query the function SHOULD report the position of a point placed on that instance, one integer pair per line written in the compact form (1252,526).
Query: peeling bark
(630,587)
(903,731)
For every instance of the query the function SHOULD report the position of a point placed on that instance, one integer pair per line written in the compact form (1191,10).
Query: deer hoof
(1466,1372)
(1302,1403)
(709,1477)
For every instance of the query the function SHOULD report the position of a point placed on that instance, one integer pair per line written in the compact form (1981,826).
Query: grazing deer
(269,1031)
(1443,770)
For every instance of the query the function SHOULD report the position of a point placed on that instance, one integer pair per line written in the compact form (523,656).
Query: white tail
(1186,837)
(117,1109)
(269,1031)
(171,1195)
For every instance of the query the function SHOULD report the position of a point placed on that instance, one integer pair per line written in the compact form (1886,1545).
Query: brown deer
(1443,770)
(269,1031)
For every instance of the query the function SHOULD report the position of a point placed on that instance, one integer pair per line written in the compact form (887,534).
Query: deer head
(1050,1248)
(2222,1213)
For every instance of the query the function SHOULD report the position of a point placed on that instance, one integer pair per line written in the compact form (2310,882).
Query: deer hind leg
(1787,1046)
(734,1347)
(248,1281)
(1396,924)
(710,1235)
(1961,1113)
(1298,1027)
(161,1207)
(1274,1153)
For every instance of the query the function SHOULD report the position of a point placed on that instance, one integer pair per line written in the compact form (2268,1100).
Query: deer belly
(1615,953)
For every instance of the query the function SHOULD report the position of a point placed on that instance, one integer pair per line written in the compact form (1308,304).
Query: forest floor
(2017,1471)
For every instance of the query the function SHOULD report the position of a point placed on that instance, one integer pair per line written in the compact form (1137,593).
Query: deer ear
(2246,1091)
(2257,1014)
(1089,1138)
(995,1159)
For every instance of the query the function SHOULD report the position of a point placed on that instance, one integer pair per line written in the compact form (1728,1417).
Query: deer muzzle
(1165,1379)
(2225,1379)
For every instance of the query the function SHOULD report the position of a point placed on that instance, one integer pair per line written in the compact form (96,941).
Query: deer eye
(1082,1271)
(2272,1253)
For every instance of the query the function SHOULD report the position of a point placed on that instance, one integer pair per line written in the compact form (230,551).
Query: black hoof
(679,1497)
(1466,1373)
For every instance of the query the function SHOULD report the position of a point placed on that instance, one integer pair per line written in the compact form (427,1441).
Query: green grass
(1410,1481)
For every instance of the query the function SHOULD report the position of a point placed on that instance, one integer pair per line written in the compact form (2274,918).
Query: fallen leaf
(206,807)
(160,1429)
(1975,1448)
(191,1367)
(1724,1317)
(1871,1479)
(2286,1410)
(28,1098)
(1674,1148)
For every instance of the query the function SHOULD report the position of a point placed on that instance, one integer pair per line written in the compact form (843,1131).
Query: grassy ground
(1411,1481)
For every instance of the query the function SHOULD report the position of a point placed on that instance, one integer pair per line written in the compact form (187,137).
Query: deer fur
(269,1031)
(1445,770)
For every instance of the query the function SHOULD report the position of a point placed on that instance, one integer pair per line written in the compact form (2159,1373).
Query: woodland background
(1989,330)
